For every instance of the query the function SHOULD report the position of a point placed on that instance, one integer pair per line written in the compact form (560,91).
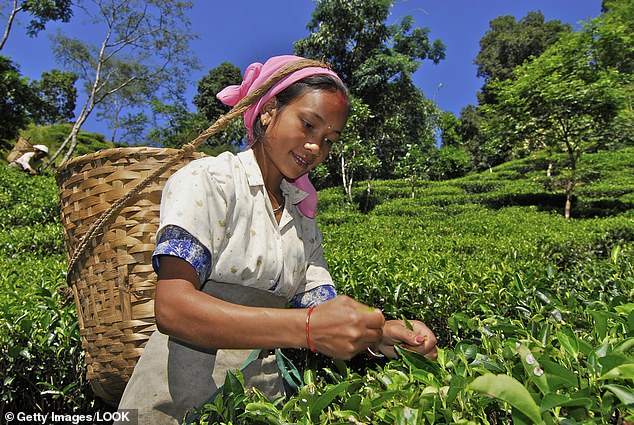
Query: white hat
(41,148)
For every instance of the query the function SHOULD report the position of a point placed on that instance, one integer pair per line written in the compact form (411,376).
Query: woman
(238,242)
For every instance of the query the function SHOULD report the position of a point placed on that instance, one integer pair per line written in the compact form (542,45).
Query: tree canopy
(15,98)
(565,98)
(57,94)
(143,50)
(509,43)
(40,11)
(492,132)
(211,109)
(376,61)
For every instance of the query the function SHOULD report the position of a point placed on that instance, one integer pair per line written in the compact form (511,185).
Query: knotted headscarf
(256,75)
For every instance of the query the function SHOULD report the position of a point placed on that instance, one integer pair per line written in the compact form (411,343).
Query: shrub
(41,360)
(520,299)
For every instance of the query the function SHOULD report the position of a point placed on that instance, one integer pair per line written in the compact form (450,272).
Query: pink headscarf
(257,74)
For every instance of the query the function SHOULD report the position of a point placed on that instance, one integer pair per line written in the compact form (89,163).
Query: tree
(408,118)
(413,166)
(508,44)
(448,162)
(132,126)
(352,155)
(115,111)
(211,108)
(613,44)
(376,61)
(41,11)
(449,127)
(180,124)
(559,101)
(57,96)
(16,98)
(218,78)
(144,46)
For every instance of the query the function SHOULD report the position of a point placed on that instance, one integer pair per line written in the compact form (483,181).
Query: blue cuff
(313,297)
(177,242)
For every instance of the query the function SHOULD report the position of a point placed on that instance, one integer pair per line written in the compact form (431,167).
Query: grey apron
(172,377)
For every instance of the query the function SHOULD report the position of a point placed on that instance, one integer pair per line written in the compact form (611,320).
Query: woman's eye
(307,124)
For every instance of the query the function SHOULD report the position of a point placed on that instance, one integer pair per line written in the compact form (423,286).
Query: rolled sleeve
(314,297)
(177,242)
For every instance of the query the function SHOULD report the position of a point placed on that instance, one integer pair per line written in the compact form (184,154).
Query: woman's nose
(314,147)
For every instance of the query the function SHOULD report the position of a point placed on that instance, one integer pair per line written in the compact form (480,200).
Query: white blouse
(222,202)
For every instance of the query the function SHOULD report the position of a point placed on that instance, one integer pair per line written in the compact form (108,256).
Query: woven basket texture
(21,146)
(113,281)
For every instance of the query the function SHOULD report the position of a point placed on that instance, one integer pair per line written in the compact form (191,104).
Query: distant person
(30,161)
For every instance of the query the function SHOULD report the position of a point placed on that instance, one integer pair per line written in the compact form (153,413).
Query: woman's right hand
(342,327)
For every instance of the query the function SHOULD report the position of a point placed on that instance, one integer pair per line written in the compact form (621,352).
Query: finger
(424,335)
(378,320)
(433,354)
(389,351)
(424,348)
(399,333)
(373,318)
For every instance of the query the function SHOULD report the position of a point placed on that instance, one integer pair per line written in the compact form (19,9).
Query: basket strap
(185,152)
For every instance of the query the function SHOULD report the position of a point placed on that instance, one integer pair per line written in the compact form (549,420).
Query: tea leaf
(570,344)
(406,416)
(417,361)
(534,369)
(600,323)
(625,394)
(407,323)
(326,398)
(624,371)
(508,390)
(624,346)
(553,400)
(558,376)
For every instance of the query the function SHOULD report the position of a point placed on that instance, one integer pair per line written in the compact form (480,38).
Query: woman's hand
(343,327)
(420,339)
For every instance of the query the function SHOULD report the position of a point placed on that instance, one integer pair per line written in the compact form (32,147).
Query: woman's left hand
(420,339)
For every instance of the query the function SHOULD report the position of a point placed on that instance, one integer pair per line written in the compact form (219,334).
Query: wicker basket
(110,212)
(20,148)
(113,280)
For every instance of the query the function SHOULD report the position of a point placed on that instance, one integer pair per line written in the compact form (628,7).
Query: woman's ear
(268,111)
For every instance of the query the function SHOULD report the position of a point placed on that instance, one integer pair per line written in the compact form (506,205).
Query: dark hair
(323,82)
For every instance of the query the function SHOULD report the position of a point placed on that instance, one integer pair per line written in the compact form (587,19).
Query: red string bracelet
(310,345)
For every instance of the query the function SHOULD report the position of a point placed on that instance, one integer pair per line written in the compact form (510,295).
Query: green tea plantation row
(534,314)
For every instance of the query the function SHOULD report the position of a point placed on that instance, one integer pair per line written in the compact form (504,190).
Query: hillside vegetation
(53,136)
(534,313)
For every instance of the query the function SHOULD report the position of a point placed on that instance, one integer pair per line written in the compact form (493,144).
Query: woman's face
(299,136)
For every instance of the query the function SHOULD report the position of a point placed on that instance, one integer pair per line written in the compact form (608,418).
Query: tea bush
(534,314)
(41,361)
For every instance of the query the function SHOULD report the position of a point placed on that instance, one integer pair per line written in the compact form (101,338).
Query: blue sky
(244,31)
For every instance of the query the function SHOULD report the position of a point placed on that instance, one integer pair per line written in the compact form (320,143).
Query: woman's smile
(302,161)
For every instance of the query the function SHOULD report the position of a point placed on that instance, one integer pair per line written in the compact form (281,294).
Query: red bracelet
(310,345)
